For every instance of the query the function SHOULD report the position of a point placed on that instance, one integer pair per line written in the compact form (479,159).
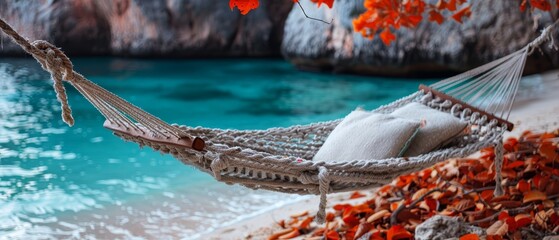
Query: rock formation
(160,28)
(495,29)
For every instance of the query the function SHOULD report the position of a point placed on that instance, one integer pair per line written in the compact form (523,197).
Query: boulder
(158,28)
(495,29)
(443,227)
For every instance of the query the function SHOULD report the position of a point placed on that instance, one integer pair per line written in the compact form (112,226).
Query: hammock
(279,159)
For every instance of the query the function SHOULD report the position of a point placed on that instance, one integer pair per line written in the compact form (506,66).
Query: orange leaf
(293,234)
(301,214)
(534,196)
(451,5)
(547,150)
(470,236)
(276,235)
(435,16)
(514,164)
(328,3)
(487,194)
(387,37)
(330,217)
(523,5)
(356,194)
(522,220)
(305,224)
(244,5)
(331,235)
(541,4)
(398,232)
(523,186)
(464,12)
(494,237)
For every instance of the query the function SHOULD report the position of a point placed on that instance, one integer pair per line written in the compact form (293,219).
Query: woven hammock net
(280,159)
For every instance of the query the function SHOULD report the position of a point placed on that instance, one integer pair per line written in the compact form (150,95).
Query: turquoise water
(83,182)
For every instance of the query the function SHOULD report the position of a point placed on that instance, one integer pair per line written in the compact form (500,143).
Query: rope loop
(65,64)
(53,60)
(465,114)
(426,98)
(217,165)
(455,110)
(307,178)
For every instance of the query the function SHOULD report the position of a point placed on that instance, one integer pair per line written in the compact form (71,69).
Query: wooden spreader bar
(196,143)
(443,96)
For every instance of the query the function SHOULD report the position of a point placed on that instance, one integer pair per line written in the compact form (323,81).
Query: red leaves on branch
(384,15)
(458,188)
(244,6)
(543,5)
(329,3)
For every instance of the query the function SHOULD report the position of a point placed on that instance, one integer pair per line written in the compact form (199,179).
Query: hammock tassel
(323,188)
(498,167)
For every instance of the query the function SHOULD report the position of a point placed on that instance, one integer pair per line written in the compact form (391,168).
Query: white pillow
(365,135)
(438,127)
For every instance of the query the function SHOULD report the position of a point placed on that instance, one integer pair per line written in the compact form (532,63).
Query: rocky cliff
(165,28)
(495,29)
(208,28)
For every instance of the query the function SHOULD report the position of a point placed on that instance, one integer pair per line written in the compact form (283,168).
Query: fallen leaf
(470,236)
(398,232)
(522,220)
(498,228)
(305,224)
(356,194)
(378,215)
(532,196)
(362,229)
(293,234)
(523,186)
(276,235)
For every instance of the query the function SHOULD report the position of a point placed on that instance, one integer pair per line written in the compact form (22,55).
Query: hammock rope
(115,109)
(279,159)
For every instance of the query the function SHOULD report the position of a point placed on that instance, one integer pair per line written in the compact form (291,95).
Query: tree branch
(312,18)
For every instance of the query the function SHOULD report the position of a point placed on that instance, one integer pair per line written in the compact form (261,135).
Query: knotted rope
(112,107)
(54,61)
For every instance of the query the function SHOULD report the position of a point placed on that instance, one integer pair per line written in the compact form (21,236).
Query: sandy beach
(536,108)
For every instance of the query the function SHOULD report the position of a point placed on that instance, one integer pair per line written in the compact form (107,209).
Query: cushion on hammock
(438,127)
(364,135)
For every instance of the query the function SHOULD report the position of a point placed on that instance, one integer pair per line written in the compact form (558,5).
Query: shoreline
(536,108)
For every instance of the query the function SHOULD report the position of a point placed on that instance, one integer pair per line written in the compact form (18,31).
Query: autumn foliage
(382,17)
(459,188)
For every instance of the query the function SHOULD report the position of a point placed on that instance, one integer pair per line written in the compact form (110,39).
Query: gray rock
(495,29)
(443,227)
(166,28)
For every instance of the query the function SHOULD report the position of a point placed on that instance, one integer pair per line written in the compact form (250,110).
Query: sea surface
(82,182)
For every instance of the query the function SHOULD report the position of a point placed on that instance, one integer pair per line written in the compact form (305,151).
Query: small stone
(444,227)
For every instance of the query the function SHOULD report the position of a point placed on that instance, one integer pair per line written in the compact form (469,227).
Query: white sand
(536,108)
